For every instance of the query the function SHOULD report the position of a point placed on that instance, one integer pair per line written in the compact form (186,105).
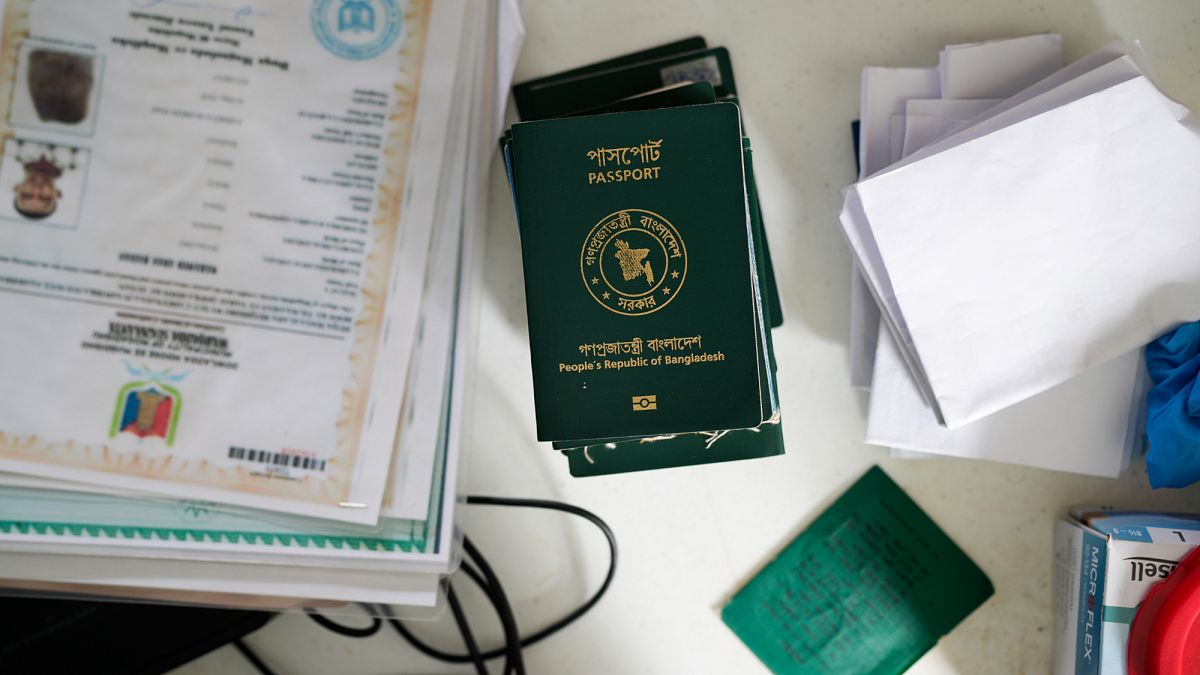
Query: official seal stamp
(633,262)
(356,29)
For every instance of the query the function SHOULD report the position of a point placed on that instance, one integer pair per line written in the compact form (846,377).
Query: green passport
(867,589)
(594,88)
(674,96)
(675,450)
(526,92)
(639,273)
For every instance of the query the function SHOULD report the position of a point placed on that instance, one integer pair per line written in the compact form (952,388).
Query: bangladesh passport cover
(867,589)
(644,316)
(621,454)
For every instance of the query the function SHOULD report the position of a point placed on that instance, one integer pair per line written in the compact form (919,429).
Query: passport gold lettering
(637,344)
(634,347)
(636,305)
(635,362)
(623,175)
(693,358)
(642,154)
(601,349)
(645,153)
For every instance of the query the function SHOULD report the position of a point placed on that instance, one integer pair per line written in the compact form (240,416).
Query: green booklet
(640,273)
(527,94)
(596,457)
(684,92)
(565,95)
(674,96)
(867,589)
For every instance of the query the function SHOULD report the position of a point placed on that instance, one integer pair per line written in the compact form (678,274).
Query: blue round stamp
(356,29)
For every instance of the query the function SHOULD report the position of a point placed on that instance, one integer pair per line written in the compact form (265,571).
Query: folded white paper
(998,68)
(928,120)
(1081,426)
(1045,240)
(884,92)
(1088,425)
(1001,67)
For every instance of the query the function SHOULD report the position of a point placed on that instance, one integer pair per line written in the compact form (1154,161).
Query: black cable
(449,657)
(542,634)
(465,628)
(348,631)
(489,583)
(575,511)
(252,657)
(508,619)
(490,593)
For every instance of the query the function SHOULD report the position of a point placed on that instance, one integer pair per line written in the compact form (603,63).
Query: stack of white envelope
(58,535)
(1020,229)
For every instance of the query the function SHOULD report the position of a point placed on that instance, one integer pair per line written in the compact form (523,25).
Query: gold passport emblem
(645,402)
(633,262)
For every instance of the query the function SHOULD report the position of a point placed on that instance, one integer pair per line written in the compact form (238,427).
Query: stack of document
(239,269)
(1020,229)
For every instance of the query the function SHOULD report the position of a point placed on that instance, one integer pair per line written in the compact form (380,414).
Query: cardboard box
(1104,564)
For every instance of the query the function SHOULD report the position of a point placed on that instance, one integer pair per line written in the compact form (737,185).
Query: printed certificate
(208,214)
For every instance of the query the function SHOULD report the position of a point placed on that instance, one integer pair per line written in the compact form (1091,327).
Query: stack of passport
(648,280)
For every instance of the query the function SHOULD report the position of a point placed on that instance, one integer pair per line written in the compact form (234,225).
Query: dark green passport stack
(615,452)
(658,452)
(638,255)
(686,93)
(524,93)
(867,589)
(598,87)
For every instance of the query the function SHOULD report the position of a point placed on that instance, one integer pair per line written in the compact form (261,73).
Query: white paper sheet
(1005,298)
(424,409)
(1080,426)
(409,589)
(998,68)
(927,120)
(896,138)
(958,110)
(1090,429)
(1092,420)
(510,32)
(1112,64)
(884,91)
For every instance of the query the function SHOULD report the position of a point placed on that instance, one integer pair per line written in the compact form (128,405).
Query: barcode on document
(276,458)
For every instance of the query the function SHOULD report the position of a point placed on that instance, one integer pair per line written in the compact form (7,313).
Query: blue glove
(1173,408)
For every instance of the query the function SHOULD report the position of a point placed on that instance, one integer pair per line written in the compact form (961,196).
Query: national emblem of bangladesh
(633,262)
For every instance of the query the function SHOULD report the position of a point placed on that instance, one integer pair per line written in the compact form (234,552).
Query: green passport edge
(522,90)
(685,93)
(682,450)
(605,85)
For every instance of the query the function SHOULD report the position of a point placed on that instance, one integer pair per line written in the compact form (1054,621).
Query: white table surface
(690,537)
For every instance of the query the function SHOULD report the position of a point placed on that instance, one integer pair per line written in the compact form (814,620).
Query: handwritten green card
(869,587)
